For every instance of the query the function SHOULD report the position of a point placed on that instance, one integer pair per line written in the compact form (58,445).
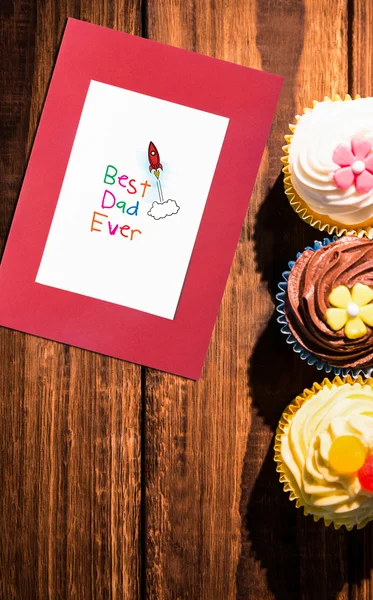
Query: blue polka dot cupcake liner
(304,354)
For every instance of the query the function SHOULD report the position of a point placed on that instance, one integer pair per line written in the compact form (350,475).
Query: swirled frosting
(315,274)
(305,446)
(317,134)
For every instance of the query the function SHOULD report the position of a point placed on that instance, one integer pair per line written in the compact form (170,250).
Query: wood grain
(361,47)
(81,435)
(70,420)
(361,82)
(218,524)
(196,432)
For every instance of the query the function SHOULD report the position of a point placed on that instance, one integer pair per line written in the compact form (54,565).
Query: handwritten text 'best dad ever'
(109,201)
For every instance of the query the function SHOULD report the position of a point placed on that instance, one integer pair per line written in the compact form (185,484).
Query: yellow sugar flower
(352,310)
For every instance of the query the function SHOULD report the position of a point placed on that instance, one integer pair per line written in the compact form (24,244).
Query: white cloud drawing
(160,210)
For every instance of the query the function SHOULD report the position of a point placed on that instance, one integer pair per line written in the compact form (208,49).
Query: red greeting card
(134,198)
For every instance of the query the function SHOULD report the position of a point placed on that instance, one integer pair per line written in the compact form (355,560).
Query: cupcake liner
(286,418)
(321,222)
(290,339)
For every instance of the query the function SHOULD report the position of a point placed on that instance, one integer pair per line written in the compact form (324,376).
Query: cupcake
(325,305)
(324,451)
(328,166)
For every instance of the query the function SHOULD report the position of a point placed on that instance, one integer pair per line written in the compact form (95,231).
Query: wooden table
(123,482)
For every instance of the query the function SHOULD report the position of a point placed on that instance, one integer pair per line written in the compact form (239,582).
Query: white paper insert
(135,254)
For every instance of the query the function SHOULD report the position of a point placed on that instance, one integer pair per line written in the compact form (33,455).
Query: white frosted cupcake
(328,166)
(324,451)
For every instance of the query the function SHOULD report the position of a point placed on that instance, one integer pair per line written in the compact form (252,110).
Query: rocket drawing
(163,208)
(154,160)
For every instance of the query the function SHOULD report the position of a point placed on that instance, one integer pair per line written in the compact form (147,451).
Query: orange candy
(347,454)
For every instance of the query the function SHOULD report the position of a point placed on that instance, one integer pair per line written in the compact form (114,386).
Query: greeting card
(130,214)
(134,198)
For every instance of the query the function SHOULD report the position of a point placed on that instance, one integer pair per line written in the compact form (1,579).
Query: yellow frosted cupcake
(324,451)
(328,166)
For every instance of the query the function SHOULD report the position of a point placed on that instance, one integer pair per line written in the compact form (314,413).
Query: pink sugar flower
(356,164)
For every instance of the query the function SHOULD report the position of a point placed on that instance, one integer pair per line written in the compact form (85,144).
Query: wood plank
(219,525)
(323,551)
(361,38)
(70,420)
(16,73)
(361,82)
(193,490)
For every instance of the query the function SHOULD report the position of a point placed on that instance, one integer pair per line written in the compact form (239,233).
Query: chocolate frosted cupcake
(326,305)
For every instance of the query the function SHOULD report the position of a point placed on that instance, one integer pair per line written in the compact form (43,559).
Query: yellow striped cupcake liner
(321,222)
